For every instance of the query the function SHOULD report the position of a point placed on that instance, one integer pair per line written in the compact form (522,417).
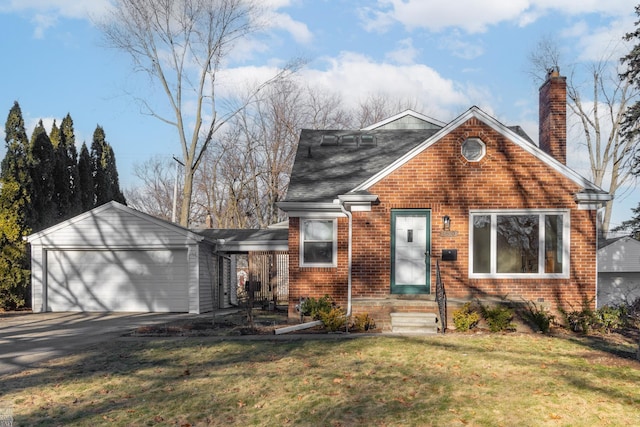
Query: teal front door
(410,250)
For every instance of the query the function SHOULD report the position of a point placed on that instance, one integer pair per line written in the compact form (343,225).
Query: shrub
(539,317)
(363,322)
(610,318)
(465,318)
(314,307)
(498,318)
(334,319)
(580,320)
(633,313)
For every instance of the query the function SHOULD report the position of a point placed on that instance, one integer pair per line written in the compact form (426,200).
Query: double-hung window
(318,242)
(519,244)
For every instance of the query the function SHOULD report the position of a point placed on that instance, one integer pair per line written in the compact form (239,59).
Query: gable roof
(407,119)
(325,168)
(113,205)
(514,136)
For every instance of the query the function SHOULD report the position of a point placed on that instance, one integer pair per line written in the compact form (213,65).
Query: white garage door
(120,280)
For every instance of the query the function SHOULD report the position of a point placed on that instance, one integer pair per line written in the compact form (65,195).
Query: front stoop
(414,323)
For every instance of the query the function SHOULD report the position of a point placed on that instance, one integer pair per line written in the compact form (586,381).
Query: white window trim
(334,261)
(566,244)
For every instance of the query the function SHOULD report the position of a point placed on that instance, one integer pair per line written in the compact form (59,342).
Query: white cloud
(600,43)
(455,44)
(298,30)
(470,15)
(405,54)
(474,16)
(356,77)
(47,13)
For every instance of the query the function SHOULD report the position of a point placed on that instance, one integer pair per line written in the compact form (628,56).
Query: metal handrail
(441,299)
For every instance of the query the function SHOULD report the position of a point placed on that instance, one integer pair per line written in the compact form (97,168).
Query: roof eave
(316,209)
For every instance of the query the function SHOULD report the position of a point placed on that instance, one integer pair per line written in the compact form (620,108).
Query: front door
(410,246)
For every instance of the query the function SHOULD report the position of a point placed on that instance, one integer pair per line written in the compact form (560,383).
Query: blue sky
(447,55)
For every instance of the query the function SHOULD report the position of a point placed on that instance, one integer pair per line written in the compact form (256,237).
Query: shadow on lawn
(159,368)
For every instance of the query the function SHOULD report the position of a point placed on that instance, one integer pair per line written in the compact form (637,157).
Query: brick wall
(441,180)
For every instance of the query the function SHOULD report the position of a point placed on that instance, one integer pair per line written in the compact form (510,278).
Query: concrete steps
(414,323)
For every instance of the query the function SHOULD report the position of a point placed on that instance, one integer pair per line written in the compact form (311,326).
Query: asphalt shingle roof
(322,171)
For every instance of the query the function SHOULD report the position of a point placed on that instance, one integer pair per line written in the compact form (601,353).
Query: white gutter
(349,215)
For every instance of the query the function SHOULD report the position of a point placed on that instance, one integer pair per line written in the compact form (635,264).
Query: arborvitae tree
(14,256)
(66,172)
(14,209)
(54,135)
(41,162)
(14,164)
(105,174)
(85,187)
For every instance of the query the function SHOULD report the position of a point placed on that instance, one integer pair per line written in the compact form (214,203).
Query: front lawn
(457,379)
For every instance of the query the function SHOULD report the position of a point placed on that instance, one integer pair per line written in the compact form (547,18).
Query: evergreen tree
(632,225)
(14,256)
(54,135)
(105,174)
(41,166)
(631,123)
(86,189)
(14,164)
(15,186)
(66,171)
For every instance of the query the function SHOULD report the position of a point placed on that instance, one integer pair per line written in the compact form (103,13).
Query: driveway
(29,338)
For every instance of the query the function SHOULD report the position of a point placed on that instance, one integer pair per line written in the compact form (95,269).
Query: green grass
(477,380)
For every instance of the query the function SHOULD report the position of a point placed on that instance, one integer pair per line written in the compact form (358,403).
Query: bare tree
(155,196)
(377,107)
(181,45)
(324,110)
(599,102)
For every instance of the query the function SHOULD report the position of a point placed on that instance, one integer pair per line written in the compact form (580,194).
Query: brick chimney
(553,115)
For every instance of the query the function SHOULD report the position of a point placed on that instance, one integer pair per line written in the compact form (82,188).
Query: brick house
(373,211)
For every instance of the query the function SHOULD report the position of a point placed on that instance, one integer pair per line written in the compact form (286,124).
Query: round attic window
(473,149)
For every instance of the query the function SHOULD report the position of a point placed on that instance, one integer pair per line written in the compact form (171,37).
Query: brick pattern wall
(440,179)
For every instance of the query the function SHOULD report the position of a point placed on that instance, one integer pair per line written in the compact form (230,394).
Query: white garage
(619,272)
(117,259)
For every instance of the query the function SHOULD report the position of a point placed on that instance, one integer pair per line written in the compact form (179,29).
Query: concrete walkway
(29,338)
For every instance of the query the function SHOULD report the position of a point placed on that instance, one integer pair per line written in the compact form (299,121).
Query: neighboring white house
(115,258)
(619,272)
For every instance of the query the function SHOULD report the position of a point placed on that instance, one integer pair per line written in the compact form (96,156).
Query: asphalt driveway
(29,338)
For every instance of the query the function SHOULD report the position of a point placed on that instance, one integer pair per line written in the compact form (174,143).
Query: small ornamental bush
(539,317)
(499,318)
(580,320)
(314,307)
(334,319)
(609,318)
(465,318)
(363,322)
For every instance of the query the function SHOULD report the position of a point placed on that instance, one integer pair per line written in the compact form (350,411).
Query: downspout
(349,262)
